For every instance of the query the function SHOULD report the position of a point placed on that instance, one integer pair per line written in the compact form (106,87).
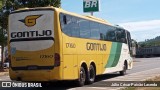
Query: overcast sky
(140,17)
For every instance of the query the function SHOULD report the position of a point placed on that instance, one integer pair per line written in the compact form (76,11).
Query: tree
(3,26)
(150,42)
(3,43)
(0,3)
(11,5)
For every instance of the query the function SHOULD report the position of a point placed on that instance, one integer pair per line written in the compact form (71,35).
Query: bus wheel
(123,72)
(91,75)
(82,77)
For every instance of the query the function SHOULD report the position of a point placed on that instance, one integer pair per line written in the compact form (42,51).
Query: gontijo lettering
(95,46)
(31,34)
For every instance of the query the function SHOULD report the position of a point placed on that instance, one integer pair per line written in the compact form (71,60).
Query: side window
(118,35)
(66,24)
(94,30)
(82,28)
(85,31)
(69,25)
(111,34)
(75,27)
(62,21)
(129,40)
(107,32)
(121,35)
(103,31)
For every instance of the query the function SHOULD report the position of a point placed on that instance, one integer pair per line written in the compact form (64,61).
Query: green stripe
(114,55)
(117,56)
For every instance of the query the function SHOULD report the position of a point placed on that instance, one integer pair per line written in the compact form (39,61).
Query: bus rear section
(32,45)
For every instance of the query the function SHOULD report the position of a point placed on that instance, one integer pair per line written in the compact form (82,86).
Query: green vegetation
(0,3)
(11,5)
(150,42)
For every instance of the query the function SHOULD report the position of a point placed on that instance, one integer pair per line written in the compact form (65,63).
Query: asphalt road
(141,66)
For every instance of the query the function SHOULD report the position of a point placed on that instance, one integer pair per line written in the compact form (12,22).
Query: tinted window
(82,28)
(111,34)
(121,35)
(103,31)
(66,24)
(69,25)
(129,40)
(85,31)
(95,34)
(75,27)
(107,32)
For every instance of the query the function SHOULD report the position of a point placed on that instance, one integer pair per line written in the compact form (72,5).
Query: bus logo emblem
(30,20)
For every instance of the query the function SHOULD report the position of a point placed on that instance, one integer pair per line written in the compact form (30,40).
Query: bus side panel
(69,67)
(92,51)
(77,51)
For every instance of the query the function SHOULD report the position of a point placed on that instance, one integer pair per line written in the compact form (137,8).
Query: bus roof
(70,13)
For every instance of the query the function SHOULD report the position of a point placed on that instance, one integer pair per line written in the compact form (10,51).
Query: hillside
(150,42)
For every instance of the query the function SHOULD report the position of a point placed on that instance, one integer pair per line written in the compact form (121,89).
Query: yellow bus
(48,44)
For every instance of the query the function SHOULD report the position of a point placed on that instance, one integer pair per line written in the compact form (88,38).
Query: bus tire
(82,77)
(91,75)
(123,72)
